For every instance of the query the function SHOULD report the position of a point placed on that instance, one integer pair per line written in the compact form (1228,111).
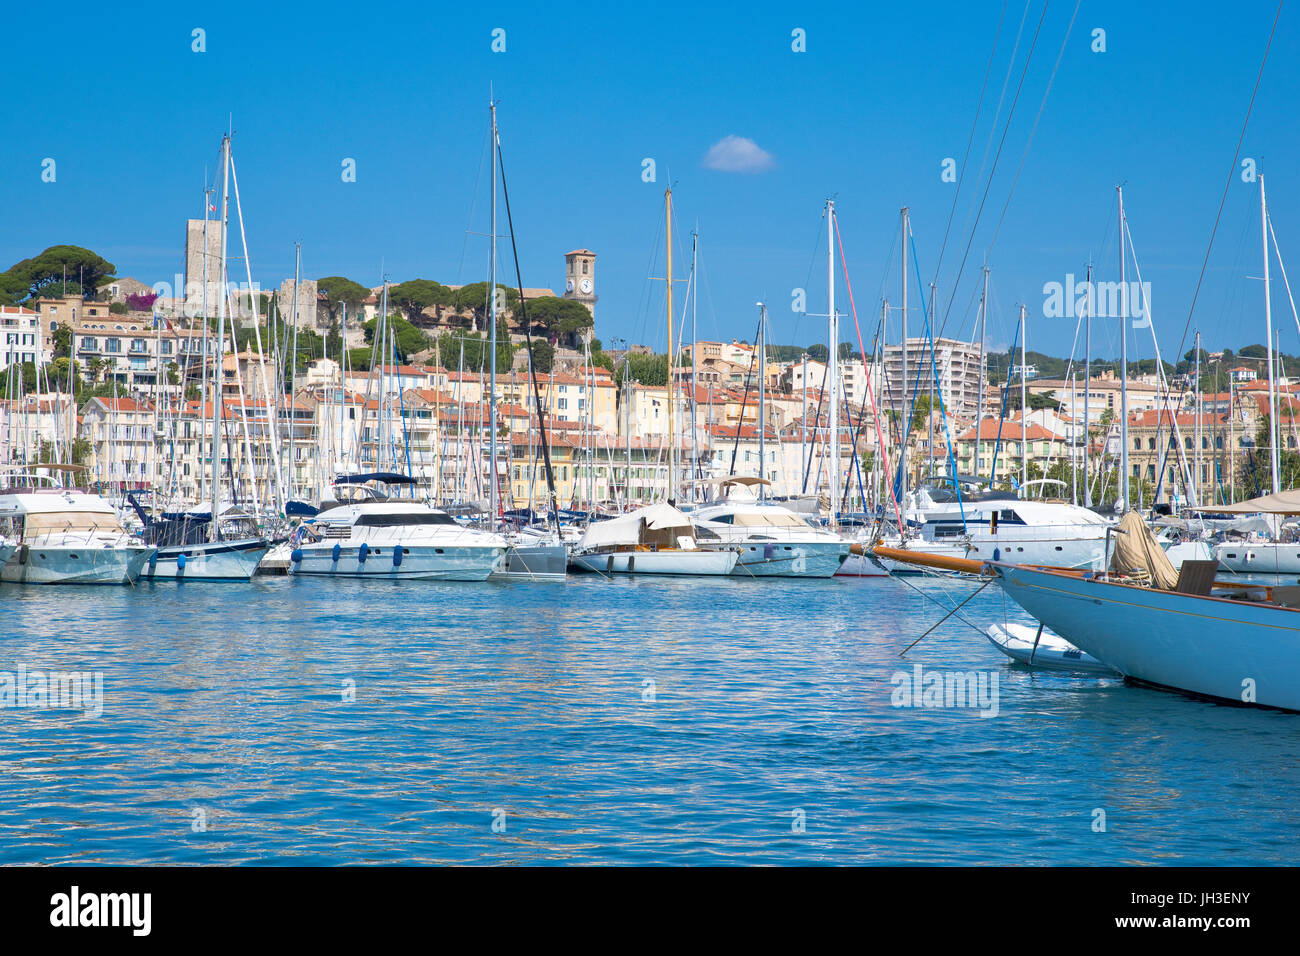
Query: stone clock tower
(580,278)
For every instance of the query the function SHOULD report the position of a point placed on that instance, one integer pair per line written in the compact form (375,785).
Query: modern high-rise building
(958,366)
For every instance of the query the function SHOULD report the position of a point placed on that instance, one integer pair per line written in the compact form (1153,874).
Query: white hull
(793,559)
(1052,652)
(1239,651)
(1258,558)
(657,562)
(216,561)
(41,564)
(534,562)
(424,562)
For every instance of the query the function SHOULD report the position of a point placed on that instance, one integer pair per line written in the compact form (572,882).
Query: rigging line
(961,178)
(1232,173)
(478,181)
(997,113)
(1029,57)
(1033,129)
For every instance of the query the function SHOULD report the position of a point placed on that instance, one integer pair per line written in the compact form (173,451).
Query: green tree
(473,298)
(415,296)
(340,292)
(543,356)
(409,339)
(54,263)
(563,320)
(648,369)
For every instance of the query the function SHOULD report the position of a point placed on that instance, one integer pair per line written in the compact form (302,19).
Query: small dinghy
(1053,652)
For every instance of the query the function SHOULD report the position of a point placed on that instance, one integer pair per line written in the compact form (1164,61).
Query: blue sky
(867,114)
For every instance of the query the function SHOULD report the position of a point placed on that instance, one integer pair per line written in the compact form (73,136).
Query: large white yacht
(367,533)
(773,540)
(998,526)
(64,535)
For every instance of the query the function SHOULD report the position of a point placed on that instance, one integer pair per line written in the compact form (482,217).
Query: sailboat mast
(492,334)
(219,361)
(984,318)
(904,418)
(1196,395)
(762,394)
(1268,344)
(293,362)
(672,463)
(1123,364)
(695,342)
(832,370)
(1024,406)
(1087,379)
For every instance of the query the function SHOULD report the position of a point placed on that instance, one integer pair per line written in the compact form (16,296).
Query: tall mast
(218,365)
(695,344)
(1268,343)
(832,371)
(1196,395)
(492,334)
(979,398)
(1123,364)
(905,417)
(203,391)
(762,394)
(293,362)
(1024,407)
(672,458)
(1087,378)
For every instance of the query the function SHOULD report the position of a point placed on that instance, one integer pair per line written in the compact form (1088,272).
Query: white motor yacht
(368,533)
(64,535)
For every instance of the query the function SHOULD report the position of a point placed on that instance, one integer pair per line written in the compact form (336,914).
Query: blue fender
(180,561)
(296,555)
(335,552)
(362,553)
(397,557)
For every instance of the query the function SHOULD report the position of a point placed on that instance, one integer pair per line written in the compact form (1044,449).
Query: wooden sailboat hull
(1239,651)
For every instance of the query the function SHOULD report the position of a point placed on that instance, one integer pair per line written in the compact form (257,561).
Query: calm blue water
(769,697)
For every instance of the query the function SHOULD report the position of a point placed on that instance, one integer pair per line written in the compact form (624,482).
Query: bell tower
(580,278)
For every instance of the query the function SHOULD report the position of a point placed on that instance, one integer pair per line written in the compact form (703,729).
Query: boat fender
(22,554)
(997,554)
(153,562)
(180,561)
(362,553)
(335,553)
(397,557)
(631,563)
(296,555)
(768,551)
(1250,555)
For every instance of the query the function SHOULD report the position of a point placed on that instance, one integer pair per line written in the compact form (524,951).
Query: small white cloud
(736,154)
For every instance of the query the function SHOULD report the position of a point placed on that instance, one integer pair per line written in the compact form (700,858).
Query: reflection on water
(626,721)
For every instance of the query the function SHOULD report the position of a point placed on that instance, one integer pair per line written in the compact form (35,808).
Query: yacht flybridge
(773,540)
(63,535)
(369,531)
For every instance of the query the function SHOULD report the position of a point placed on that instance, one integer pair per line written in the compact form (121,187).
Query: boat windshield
(403,520)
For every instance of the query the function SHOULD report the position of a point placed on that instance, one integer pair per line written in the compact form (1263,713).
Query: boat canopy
(1282,503)
(658,524)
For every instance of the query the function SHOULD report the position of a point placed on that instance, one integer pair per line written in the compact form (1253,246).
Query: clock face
(569,285)
(585,286)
